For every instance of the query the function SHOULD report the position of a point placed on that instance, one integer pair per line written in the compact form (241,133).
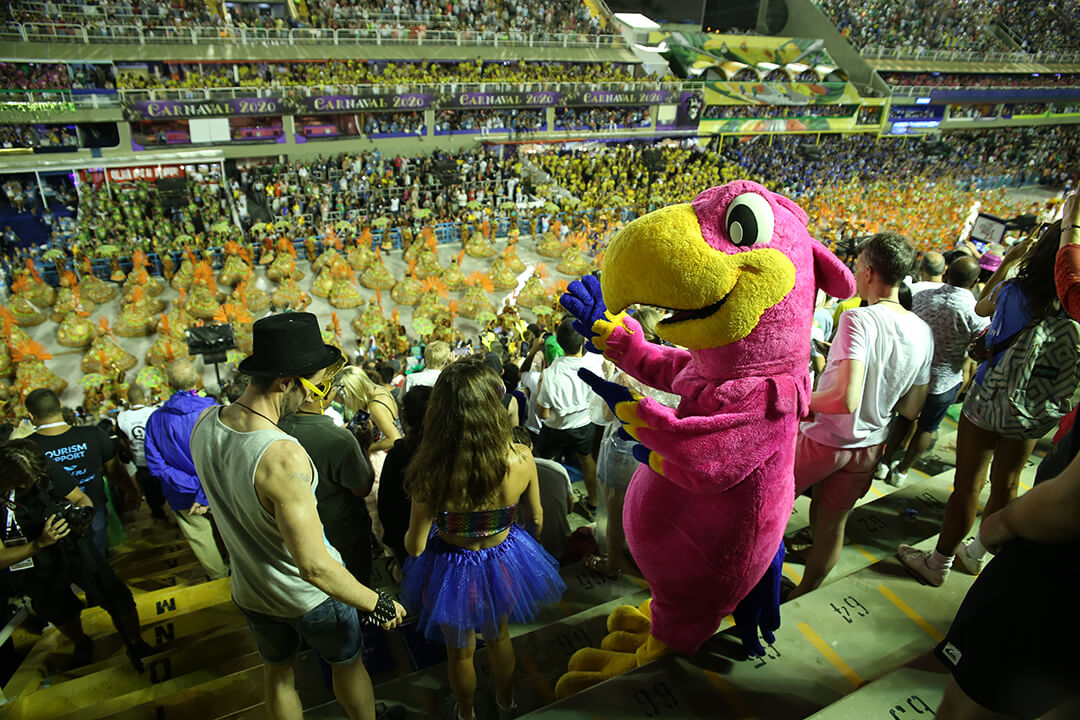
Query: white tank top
(265,578)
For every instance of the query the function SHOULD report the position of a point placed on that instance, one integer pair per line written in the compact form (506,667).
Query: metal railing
(106,34)
(879,53)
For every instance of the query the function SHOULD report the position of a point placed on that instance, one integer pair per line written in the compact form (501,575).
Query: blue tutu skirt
(460,591)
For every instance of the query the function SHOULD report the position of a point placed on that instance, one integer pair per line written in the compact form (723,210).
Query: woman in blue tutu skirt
(472,568)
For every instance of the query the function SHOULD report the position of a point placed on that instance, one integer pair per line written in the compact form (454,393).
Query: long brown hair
(462,458)
(1036,274)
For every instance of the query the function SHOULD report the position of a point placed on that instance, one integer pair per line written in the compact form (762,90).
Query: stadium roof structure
(692,54)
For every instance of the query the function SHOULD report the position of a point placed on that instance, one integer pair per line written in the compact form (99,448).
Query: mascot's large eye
(749,220)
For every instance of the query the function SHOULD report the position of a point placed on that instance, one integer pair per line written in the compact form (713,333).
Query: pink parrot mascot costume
(705,513)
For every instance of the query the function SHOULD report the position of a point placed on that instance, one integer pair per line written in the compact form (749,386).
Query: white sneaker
(881,471)
(970,564)
(896,478)
(915,560)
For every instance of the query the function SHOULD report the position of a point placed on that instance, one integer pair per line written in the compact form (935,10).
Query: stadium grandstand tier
(361,72)
(982,80)
(1041,26)
(925,24)
(389,20)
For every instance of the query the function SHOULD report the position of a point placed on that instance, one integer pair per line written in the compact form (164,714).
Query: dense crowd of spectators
(602,118)
(1039,26)
(981,80)
(514,120)
(34,76)
(363,72)
(555,16)
(726,112)
(1029,108)
(397,123)
(843,171)
(973,112)
(1036,26)
(101,13)
(31,136)
(372,185)
(914,24)
(391,18)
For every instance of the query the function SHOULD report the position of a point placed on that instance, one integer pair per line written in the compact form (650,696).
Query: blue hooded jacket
(168,448)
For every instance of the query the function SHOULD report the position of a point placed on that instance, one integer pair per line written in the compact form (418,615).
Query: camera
(76,516)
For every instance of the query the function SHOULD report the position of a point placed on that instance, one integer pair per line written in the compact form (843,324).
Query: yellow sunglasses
(329,381)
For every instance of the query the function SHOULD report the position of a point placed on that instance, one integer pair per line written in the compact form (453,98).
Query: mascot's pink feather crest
(705,514)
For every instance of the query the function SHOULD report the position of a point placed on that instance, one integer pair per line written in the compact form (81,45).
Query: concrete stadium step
(543,648)
(832,641)
(110,683)
(154,608)
(913,690)
(198,630)
(541,653)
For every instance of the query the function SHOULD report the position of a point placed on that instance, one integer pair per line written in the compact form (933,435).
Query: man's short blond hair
(436,354)
(182,374)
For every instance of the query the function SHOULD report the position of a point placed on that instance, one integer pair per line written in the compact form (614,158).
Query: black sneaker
(137,652)
(84,653)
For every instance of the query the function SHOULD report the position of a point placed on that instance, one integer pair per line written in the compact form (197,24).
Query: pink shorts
(843,475)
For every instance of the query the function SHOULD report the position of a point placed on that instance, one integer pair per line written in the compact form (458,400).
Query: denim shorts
(936,406)
(332,628)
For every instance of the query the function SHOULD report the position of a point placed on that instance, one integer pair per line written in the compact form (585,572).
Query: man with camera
(84,454)
(287,579)
(168,457)
(47,546)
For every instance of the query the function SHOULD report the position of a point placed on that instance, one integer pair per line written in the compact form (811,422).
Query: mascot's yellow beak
(662,259)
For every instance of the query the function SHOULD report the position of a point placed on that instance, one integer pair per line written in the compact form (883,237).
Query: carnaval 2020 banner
(403,102)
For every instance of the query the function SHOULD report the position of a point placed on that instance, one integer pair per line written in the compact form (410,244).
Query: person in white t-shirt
(436,357)
(132,421)
(879,363)
(562,403)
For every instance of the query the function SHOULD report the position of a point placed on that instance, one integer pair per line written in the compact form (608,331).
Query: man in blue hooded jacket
(168,457)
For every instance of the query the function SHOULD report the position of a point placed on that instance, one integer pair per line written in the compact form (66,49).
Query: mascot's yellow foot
(626,646)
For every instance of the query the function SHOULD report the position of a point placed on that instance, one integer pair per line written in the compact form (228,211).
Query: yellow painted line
(792,573)
(907,610)
(865,553)
(1025,485)
(917,471)
(876,491)
(730,695)
(829,654)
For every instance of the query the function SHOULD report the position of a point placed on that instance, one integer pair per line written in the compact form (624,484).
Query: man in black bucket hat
(288,581)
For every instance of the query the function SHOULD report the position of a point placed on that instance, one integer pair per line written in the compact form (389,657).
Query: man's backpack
(1038,376)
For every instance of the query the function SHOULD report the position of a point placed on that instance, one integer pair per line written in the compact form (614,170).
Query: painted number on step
(913,706)
(927,498)
(574,641)
(771,653)
(872,523)
(656,700)
(849,609)
(590,580)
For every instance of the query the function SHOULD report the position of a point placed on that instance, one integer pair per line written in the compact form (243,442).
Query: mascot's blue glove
(761,608)
(585,301)
(613,394)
